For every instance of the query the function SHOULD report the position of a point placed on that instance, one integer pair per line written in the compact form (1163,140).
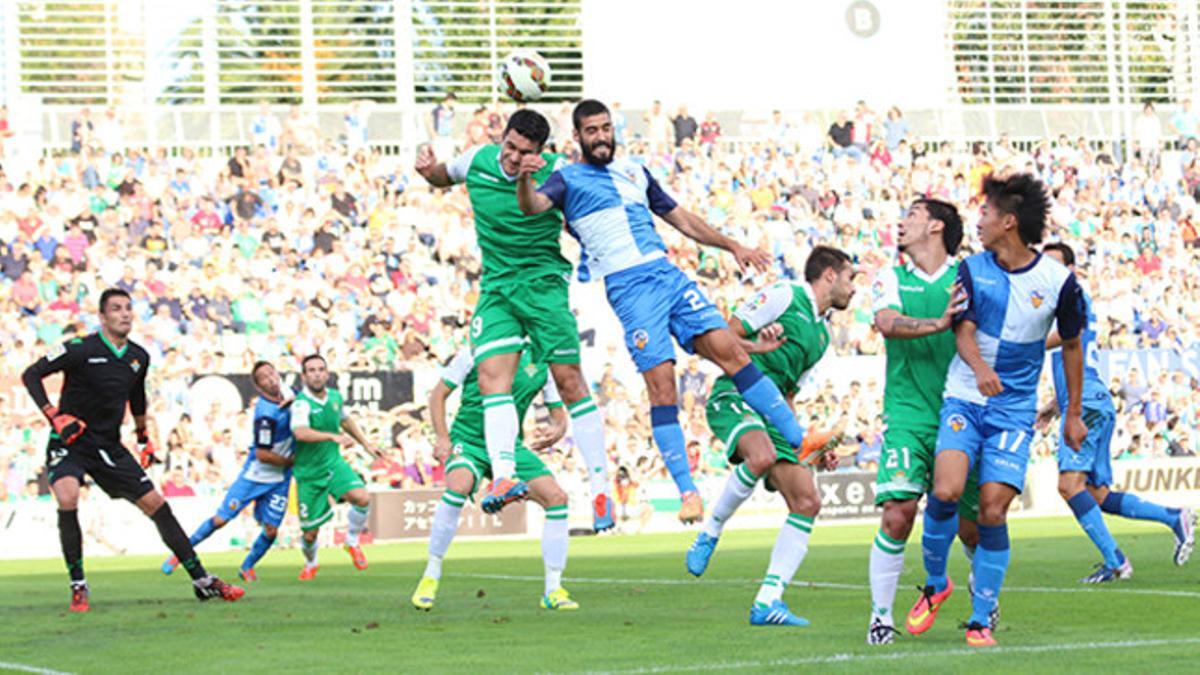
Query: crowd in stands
(311,240)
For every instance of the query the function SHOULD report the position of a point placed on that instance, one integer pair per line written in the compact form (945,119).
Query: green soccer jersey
(916,367)
(315,460)
(530,379)
(515,246)
(794,307)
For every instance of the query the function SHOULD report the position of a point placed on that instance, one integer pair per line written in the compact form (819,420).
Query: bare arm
(1053,340)
(310,435)
(268,457)
(437,417)
(769,338)
(530,201)
(1074,429)
(351,427)
(695,228)
(549,434)
(892,324)
(434,172)
(968,349)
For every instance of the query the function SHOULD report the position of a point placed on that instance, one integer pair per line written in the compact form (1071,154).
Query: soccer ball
(524,75)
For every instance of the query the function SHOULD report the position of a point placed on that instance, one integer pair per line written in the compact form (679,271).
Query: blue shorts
(270,500)
(1001,455)
(1094,457)
(654,302)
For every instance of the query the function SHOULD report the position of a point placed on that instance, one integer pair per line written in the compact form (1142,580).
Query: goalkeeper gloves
(68,427)
(146,455)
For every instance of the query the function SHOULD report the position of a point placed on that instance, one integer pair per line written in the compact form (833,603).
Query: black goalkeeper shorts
(113,468)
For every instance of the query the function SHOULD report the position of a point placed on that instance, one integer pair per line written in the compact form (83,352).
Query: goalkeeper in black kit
(101,374)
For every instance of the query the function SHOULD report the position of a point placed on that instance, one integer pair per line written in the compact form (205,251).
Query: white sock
(970,553)
(738,489)
(500,426)
(445,524)
(358,522)
(587,427)
(554,546)
(310,552)
(789,551)
(887,562)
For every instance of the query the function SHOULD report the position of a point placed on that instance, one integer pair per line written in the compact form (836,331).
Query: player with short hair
(913,305)
(103,373)
(320,426)
(468,464)
(1013,297)
(1084,475)
(609,203)
(523,304)
(265,477)
(791,320)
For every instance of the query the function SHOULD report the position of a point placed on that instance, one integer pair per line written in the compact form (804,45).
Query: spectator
(684,125)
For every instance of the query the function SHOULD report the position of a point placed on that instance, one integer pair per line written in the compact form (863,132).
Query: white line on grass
(910,655)
(820,584)
(21,667)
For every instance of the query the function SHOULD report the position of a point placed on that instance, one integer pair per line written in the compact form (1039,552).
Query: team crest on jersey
(640,338)
(877,288)
(1036,299)
(135,365)
(956,422)
(57,351)
(234,504)
(531,370)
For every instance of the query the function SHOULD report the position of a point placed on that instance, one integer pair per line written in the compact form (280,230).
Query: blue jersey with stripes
(273,432)
(1095,394)
(1013,312)
(608,209)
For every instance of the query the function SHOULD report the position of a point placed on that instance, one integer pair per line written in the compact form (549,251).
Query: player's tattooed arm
(892,324)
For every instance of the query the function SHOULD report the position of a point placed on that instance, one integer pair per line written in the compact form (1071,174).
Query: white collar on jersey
(929,278)
(812,299)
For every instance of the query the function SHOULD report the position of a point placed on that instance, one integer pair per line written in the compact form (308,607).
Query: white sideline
(835,586)
(22,668)
(911,655)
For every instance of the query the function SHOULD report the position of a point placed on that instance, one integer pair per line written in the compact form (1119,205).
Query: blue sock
(257,550)
(1132,506)
(941,526)
(1087,512)
(991,564)
(203,532)
(668,436)
(760,393)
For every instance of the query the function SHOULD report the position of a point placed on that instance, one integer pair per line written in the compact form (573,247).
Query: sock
(941,526)
(587,427)
(554,546)
(760,393)
(1132,506)
(991,564)
(1087,512)
(500,427)
(309,549)
(357,523)
(445,524)
(738,489)
(203,532)
(789,551)
(668,436)
(257,550)
(969,551)
(173,536)
(887,562)
(71,538)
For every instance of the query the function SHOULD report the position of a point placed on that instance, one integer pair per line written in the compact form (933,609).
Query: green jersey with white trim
(795,308)
(530,379)
(515,247)
(916,367)
(313,461)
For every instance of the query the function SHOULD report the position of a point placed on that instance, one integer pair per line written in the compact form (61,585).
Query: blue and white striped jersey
(1095,394)
(608,209)
(272,431)
(1014,312)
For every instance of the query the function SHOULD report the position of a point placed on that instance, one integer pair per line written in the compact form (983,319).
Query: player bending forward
(265,477)
(797,315)
(467,465)
(319,419)
(102,373)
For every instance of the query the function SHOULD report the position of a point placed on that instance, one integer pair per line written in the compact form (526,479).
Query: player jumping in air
(523,305)
(608,203)
(1085,474)
(1014,296)
(468,464)
(318,421)
(266,476)
(792,321)
(102,374)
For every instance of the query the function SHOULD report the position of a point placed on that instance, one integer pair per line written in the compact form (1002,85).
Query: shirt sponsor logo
(97,359)
(956,422)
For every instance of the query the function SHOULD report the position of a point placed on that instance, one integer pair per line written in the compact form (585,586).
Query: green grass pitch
(641,612)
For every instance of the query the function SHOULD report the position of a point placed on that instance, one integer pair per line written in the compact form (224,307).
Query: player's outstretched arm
(986,378)
(435,173)
(695,228)
(351,427)
(892,324)
(530,201)
(437,417)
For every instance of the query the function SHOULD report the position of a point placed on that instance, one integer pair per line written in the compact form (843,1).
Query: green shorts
(313,495)
(905,465)
(474,458)
(968,503)
(729,418)
(539,310)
